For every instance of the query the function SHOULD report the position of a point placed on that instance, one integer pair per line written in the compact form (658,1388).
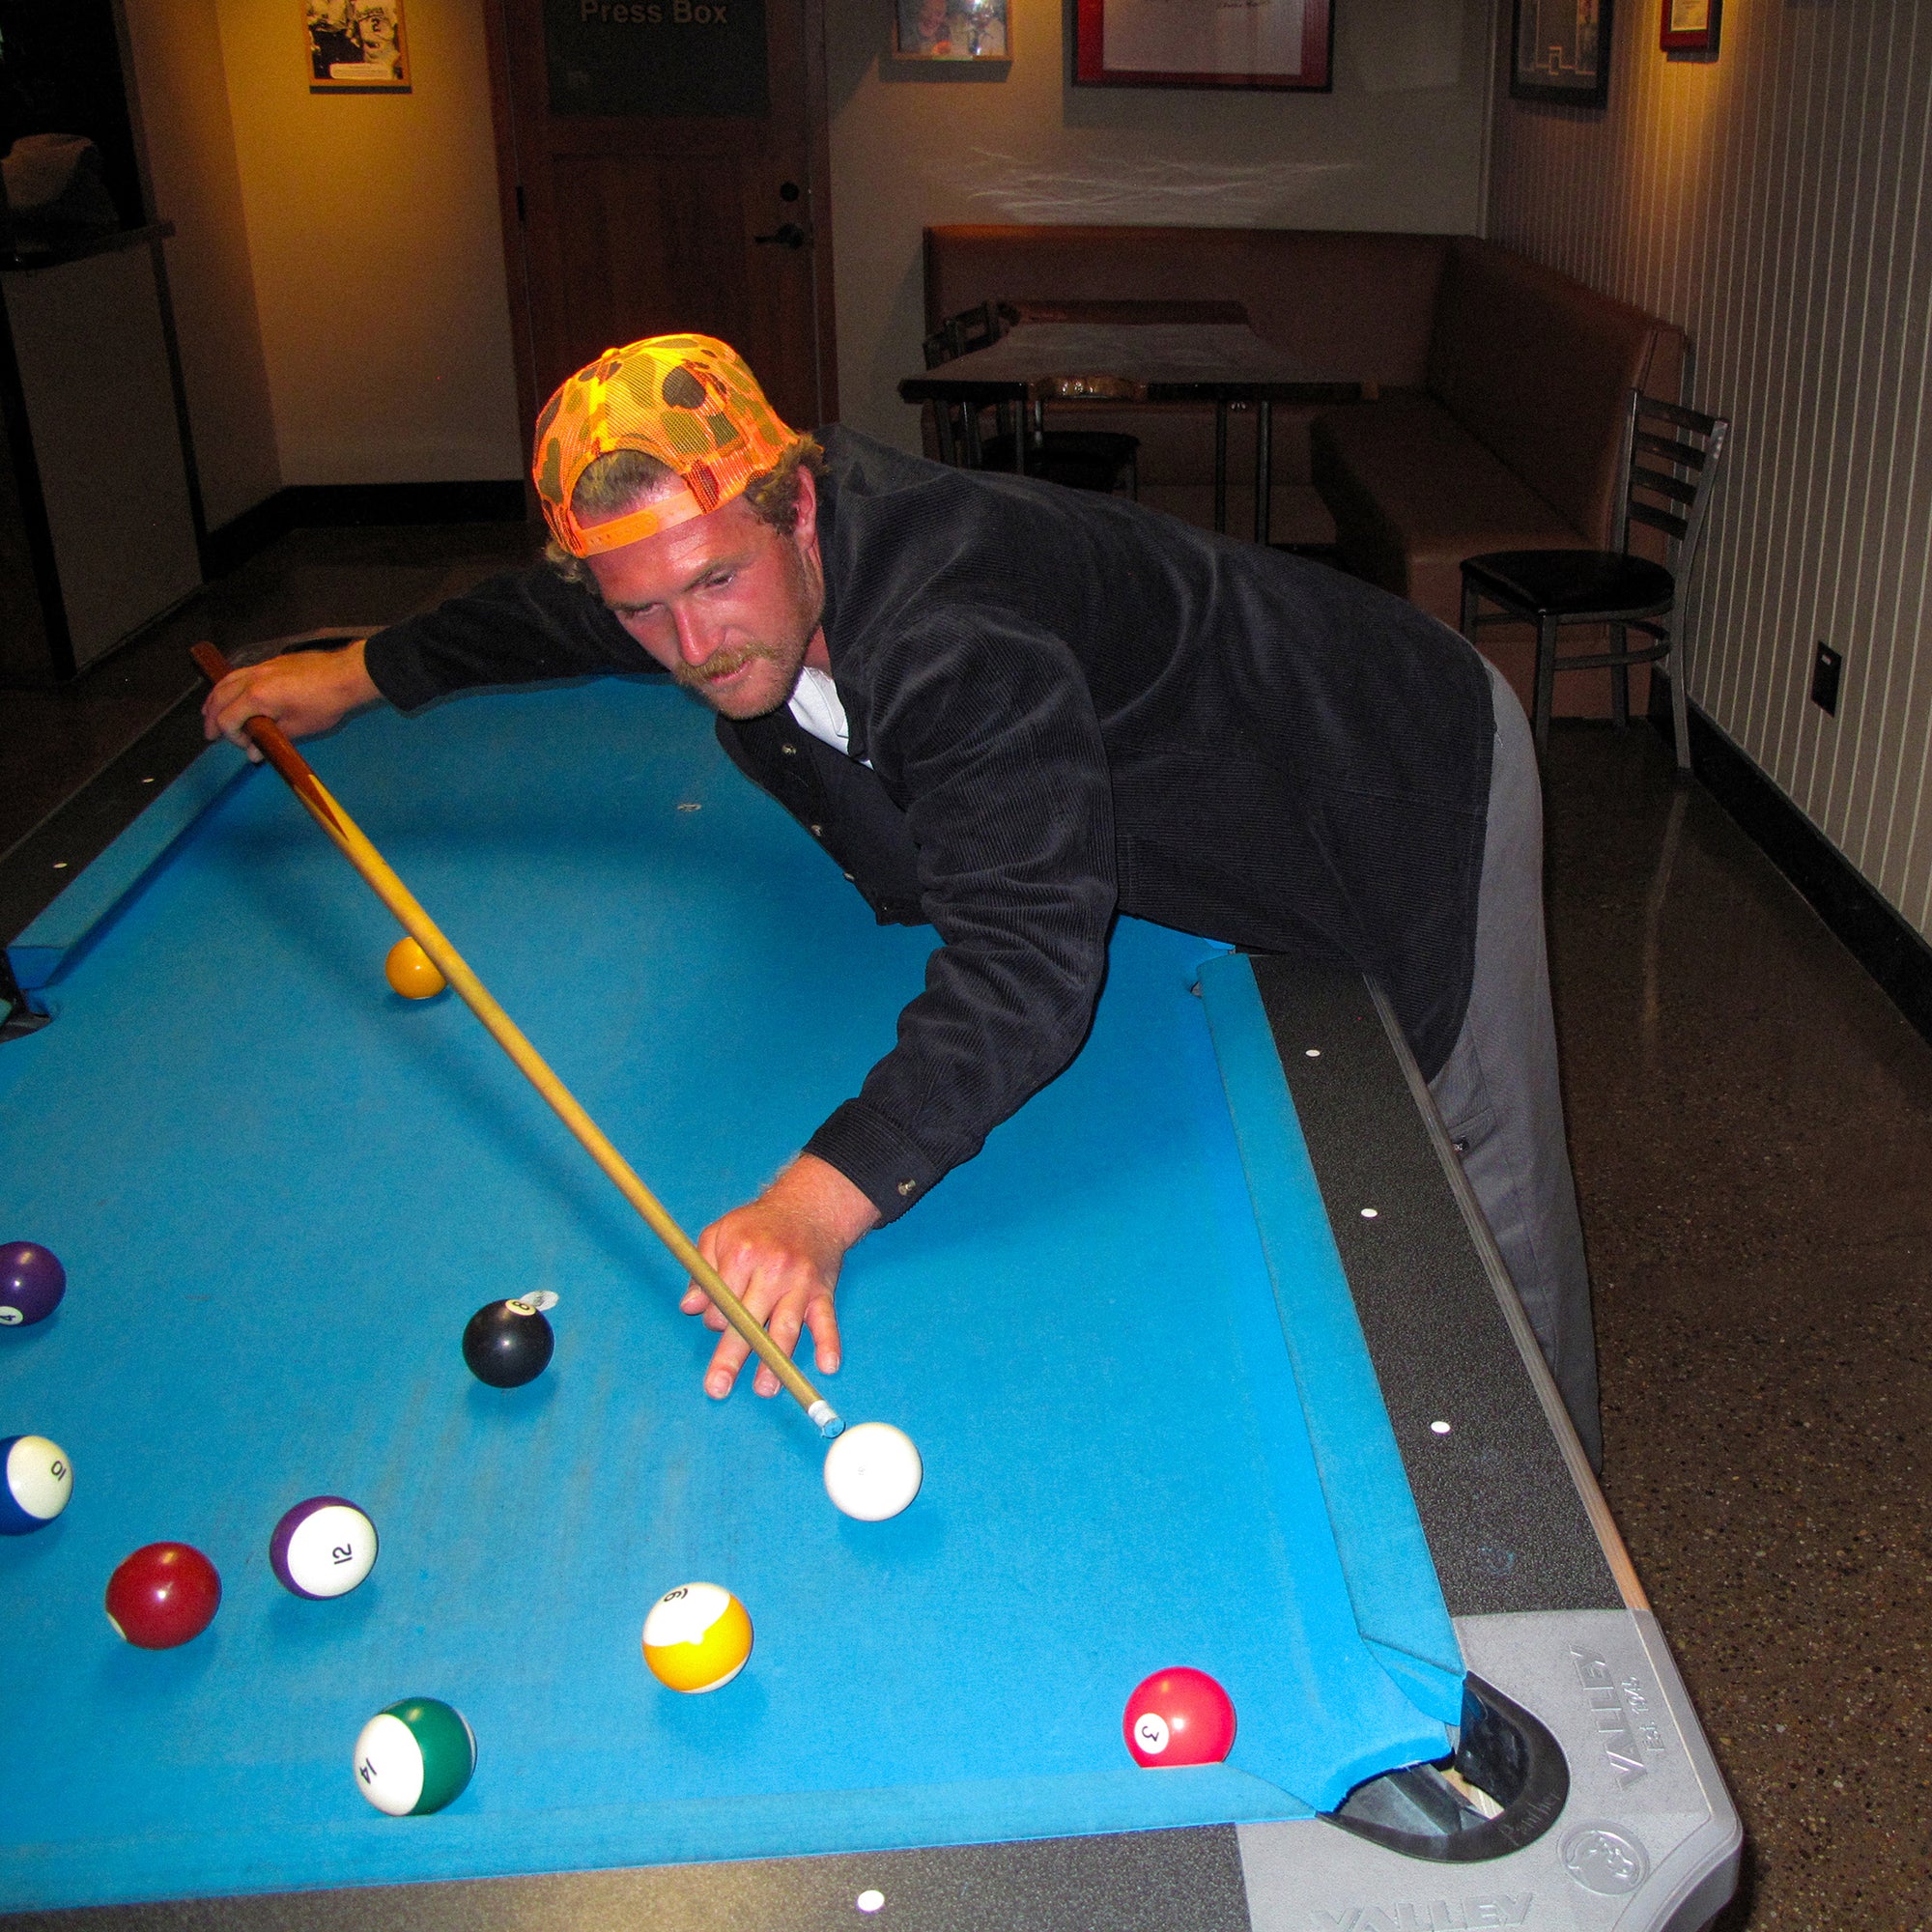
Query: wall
(377,253)
(1398,144)
(1774,202)
(183,125)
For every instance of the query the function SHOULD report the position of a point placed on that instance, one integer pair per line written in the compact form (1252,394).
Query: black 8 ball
(507,1344)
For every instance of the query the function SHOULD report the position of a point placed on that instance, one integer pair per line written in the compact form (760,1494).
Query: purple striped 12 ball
(32,1283)
(323,1547)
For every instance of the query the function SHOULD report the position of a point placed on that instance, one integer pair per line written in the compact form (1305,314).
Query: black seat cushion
(1081,459)
(1572,583)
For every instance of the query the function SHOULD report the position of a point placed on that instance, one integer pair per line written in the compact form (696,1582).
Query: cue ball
(411,972)
(415,1757)
(323,1547)
(165,1594)
(1179,1716)
(873,1471)
(697,1638)
(38,1481)
(32,1283)
(508,1343)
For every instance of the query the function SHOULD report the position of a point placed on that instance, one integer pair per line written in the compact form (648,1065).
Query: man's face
(726,603)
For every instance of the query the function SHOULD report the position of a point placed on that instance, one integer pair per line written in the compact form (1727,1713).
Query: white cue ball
(873,1471)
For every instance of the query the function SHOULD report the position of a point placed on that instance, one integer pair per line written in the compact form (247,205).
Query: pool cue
(274,744)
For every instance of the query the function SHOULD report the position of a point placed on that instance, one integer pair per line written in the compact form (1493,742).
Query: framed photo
(355,46)
(1690,26)
(951,30)
(1560,50)
(1278,44)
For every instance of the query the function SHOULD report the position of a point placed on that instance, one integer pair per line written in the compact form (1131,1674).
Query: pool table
(1210,1358)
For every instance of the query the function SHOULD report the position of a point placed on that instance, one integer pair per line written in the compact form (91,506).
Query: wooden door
(663,167)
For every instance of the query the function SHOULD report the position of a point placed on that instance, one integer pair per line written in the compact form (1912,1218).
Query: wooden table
(1134,352)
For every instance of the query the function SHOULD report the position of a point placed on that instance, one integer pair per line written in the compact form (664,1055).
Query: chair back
(956,425)
(1669,463)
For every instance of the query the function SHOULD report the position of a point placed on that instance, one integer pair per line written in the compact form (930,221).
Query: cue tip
(827,1418)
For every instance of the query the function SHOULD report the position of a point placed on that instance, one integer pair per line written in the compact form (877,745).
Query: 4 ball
(32,1282)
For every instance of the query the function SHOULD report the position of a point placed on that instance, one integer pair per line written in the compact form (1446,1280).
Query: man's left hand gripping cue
(781,1254)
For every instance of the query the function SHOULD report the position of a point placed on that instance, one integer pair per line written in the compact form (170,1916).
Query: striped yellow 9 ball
(697,1638)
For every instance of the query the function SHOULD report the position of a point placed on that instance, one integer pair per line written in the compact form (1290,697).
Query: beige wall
(1775,204)
(1398,144)
(182,104)
(377,253)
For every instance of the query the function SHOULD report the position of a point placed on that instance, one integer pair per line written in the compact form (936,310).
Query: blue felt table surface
(279,1192)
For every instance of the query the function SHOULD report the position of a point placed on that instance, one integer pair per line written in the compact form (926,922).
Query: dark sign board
(657,57)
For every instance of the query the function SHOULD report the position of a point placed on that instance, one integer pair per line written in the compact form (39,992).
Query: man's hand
(304,692)
(781,1254)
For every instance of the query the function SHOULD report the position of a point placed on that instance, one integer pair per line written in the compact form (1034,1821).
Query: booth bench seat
(1500,389)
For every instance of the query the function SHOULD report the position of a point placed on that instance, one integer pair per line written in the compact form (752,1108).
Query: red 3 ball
(165,1594)
(1179,1716)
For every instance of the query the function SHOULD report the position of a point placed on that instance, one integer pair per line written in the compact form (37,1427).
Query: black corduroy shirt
(1063,707)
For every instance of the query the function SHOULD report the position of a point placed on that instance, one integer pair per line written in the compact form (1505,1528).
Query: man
(1015,711)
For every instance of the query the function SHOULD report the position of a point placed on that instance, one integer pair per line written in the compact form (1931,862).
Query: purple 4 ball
(32,1283)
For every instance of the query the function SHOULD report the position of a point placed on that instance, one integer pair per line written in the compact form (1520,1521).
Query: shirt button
(790,750)
(819,831)
(850,880)
(907,1186)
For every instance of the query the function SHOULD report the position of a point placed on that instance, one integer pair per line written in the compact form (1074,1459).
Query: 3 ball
(1179,1716)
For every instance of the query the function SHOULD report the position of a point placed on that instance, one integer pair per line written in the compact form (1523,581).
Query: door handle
(787,235)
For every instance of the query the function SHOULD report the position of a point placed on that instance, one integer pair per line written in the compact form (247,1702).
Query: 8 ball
(508,1342)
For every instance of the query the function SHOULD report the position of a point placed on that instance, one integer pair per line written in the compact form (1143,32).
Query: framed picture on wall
(1690,27)
(1280,44)
(1560,50)
(355,46)
(951,30)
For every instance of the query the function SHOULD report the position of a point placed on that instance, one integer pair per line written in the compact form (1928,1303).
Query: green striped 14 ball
(415,1757)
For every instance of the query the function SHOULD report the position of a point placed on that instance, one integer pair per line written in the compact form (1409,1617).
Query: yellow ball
(697,1638)
(413,971)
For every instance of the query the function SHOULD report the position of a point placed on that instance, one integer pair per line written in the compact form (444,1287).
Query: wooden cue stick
(274,746)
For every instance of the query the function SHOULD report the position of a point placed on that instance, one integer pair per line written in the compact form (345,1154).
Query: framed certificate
(1690,26)
(1278,44)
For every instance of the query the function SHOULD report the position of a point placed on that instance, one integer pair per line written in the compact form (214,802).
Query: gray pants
(1498,1092)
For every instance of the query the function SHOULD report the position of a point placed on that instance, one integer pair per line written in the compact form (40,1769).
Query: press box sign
(657,57)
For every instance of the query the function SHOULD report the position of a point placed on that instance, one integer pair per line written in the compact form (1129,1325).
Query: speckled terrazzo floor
(1752,1131)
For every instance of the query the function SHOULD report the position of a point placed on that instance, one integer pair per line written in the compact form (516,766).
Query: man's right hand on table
(304,692)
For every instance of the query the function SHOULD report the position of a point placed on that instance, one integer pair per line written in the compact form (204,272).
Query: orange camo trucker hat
(688,400)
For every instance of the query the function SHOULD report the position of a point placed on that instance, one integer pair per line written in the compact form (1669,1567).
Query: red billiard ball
(165,1594)
(1179,1716)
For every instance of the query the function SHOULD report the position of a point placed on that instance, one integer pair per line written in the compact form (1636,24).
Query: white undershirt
(815,705)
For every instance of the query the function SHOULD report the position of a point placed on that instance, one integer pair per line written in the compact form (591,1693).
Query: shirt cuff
(889,1170)
(396,671)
